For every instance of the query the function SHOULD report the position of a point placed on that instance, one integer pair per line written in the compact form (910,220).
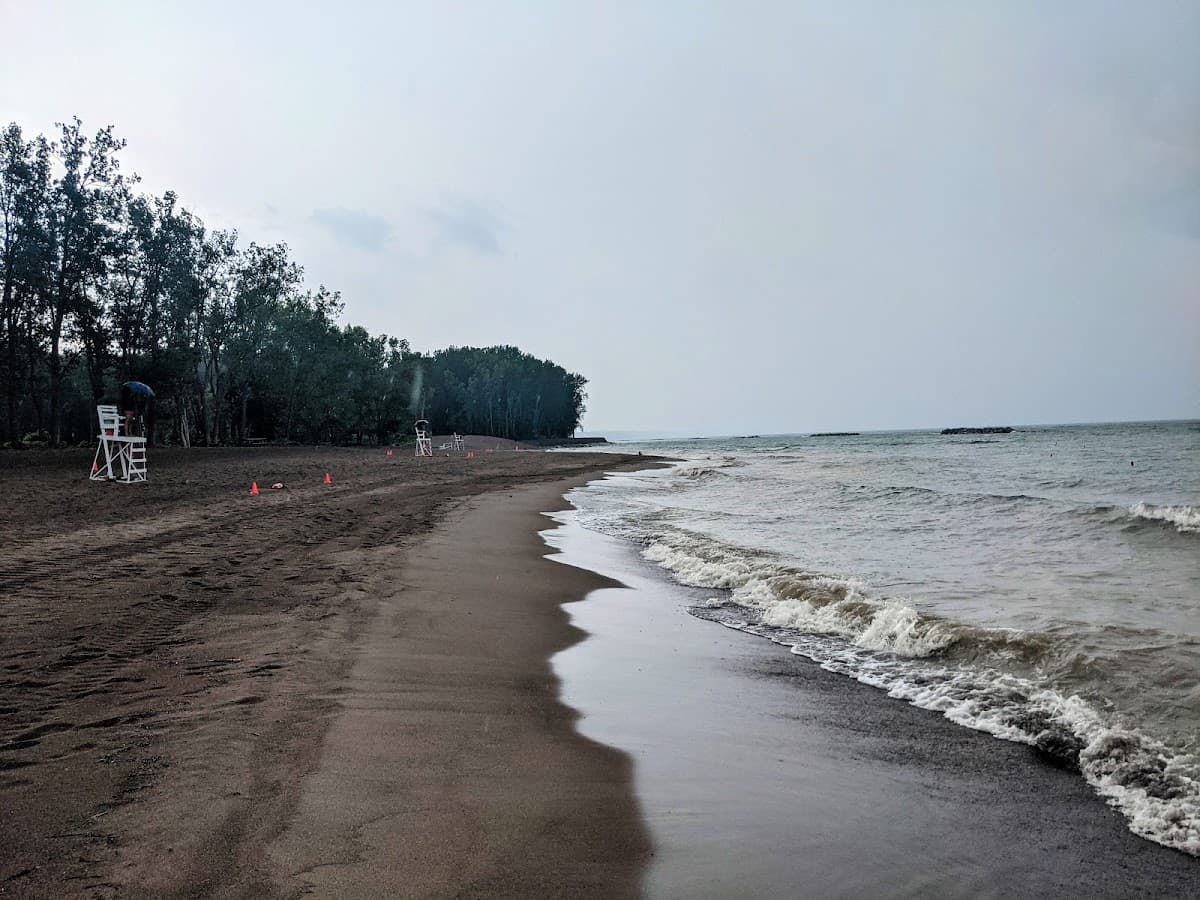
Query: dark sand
(204,693)
(762,775)
(452,761)
(345,691)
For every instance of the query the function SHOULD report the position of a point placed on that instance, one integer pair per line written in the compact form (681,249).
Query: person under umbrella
(134,395)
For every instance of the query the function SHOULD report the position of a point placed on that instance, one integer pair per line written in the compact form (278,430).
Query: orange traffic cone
(95,468)
(254,489)
(328,480)
(389,453)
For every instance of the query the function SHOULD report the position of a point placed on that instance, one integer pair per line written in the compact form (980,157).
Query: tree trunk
(148,422)
(56,377)
(10,334)
(184,436)
(11,388)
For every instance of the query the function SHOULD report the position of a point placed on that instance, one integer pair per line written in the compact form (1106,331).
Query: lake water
(1042,586)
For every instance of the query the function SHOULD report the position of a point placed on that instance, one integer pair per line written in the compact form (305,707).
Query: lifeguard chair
(119,457)
(424,438)
(459,443)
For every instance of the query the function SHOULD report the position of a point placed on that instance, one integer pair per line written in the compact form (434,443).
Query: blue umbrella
(141,390)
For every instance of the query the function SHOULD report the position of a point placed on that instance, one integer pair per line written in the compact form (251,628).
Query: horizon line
(697,434)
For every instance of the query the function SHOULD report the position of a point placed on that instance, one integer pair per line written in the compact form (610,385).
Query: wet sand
(452,763)
(762,775)
(341,689)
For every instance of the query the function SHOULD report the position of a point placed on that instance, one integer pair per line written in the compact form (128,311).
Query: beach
(341,689)
(1037,586)
(761,774)
(383,687)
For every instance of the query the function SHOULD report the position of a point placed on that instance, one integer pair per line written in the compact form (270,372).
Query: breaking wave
(702,470)
(964,672)
(1185,519)
(785,597)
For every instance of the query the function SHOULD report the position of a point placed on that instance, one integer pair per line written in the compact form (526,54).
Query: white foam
(1186,519)
(803,616)
(899,629)
(808,602)
(891,645)
(1157,790)
(698,571)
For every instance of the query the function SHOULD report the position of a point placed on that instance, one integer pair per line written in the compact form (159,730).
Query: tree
(24,194)
(502,391)
(84,203)
(133,287)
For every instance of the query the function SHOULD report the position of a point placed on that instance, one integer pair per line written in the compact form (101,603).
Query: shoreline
(186,667)
(762,774)
(375,689)
(486,788)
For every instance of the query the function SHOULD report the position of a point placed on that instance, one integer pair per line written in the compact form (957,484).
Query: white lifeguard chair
(424,438)
(459,443)
(119,457)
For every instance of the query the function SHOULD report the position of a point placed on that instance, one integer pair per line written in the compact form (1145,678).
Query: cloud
(468,225)
(354,227)
(1176,212)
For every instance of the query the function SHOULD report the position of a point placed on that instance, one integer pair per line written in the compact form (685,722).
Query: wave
(958,497)
(1186,519)
(1156,788)
(1060,482)
(697,473)
(946,666)
(697,470)
(784,597)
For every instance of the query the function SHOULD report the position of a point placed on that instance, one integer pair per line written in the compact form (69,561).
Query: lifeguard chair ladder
(424,438)
(459,443)
(119,457)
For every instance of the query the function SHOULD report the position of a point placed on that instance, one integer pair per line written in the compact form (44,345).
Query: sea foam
(891,645)
(1186,519)
(735,525)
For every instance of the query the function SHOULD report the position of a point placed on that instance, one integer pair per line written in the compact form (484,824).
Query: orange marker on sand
(328,480)
(254,489)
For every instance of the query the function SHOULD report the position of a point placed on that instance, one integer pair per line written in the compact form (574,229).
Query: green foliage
(501,391)
(102,285)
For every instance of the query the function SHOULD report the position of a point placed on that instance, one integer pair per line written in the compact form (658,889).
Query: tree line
(104,285)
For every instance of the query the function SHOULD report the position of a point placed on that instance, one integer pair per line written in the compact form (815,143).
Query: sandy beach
(828,522)
(373,688)
(336,689)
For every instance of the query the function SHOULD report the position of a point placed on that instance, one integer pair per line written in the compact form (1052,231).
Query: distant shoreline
(991,429)
(616,436)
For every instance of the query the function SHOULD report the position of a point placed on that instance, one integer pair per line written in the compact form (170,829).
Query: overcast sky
(731,217)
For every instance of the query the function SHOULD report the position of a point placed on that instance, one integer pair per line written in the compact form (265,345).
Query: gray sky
(731,217)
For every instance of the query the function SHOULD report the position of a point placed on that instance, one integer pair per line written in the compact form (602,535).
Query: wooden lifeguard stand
(424,438)
(119,457)
(459,444)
